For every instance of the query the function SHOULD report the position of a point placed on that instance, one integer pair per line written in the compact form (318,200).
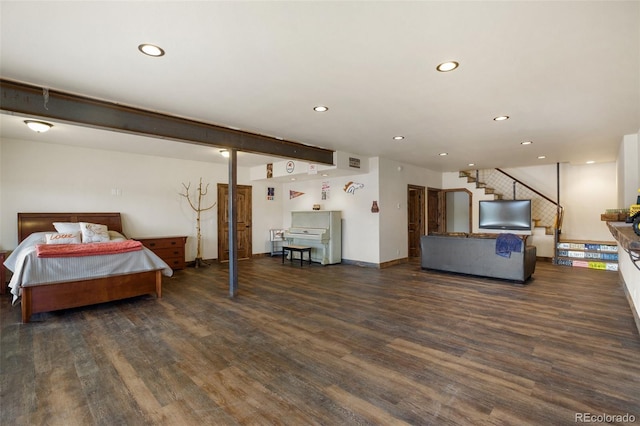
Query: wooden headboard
(29,223)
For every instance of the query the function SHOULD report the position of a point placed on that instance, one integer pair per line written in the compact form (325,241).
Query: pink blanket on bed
(87,249)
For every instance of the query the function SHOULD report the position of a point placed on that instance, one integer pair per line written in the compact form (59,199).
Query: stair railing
(559,208)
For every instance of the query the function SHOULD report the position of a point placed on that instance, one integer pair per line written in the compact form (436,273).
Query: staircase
(471,177)
(546,213)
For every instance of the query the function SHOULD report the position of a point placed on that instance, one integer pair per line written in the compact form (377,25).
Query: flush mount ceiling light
(320,108)
(501,118)
(398,138)
(224,153)
(38,126)
(447,66)
(151,50)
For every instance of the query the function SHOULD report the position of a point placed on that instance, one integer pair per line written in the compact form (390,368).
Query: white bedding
(29,269)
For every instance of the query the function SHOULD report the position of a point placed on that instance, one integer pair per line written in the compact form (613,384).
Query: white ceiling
(567,73)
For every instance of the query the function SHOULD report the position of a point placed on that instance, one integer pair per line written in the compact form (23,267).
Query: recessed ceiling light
(151,50)
(590,162)
(471,164)
(293,178)
(320,108)
(398,138)
(325,174)
(38,126)
(443,154)
(501,118)
(224,153)
(526,143)
(541,157)
(447,66)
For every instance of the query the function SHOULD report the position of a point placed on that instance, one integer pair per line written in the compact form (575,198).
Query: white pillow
(66,227)
(116,236)
(64,238)
(94,233)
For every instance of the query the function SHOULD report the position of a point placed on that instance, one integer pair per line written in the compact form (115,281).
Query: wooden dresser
(169,249)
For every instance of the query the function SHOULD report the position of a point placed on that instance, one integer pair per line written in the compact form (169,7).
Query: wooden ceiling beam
(44,103)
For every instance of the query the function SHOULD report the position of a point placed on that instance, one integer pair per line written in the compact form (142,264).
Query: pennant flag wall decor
(295,194)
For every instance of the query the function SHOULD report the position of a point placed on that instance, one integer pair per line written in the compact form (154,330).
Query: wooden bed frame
(72,294)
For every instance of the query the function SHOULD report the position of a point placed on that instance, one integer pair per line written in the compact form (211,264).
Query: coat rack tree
(197,207)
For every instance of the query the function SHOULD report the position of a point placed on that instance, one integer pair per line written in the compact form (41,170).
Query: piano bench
(298,249)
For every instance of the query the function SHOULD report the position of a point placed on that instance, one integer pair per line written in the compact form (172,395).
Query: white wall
(628,168)
(395,178)
(628,184)
(452,180)
(38,176)
(586,191)
(367,237)
(631,276)
(360,227)
(543,179)
(457,211)
(41,177)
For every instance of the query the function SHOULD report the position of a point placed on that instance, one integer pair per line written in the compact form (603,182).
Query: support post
(556,232)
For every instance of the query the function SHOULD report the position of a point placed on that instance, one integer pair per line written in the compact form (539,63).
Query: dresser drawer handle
(152,244)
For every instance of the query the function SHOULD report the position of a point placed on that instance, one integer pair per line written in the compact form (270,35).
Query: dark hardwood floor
(330,345)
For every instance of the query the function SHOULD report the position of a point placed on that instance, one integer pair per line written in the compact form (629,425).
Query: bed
(41,286)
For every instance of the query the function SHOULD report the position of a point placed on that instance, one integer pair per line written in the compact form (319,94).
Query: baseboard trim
(376,265)
(264,255)
(359,263)
(345,261)
(394,262)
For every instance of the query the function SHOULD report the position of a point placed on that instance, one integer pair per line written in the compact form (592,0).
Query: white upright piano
(321,230)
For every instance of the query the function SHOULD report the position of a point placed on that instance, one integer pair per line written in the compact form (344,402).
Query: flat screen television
(514,215)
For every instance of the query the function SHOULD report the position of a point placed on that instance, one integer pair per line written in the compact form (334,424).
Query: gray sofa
(476,255)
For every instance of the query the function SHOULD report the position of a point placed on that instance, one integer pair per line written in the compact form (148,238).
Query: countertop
(623,233)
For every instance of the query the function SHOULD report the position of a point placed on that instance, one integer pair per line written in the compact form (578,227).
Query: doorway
(449,210)
(458,210)
(243,225)
(415,218)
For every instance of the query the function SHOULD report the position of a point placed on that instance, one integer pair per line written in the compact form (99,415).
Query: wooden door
(415,216)
(243,224)
(434,211)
